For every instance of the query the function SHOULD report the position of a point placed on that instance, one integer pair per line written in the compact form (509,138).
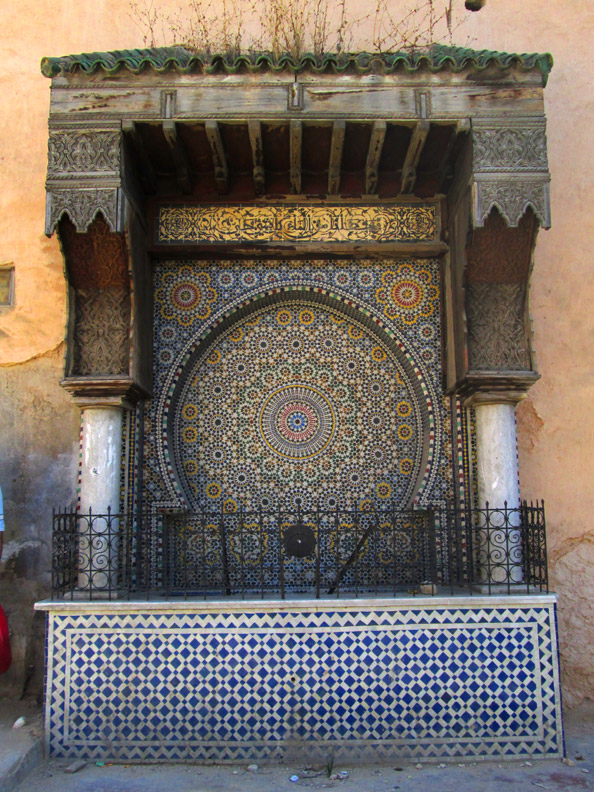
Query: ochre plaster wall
(39,426)
(556,423)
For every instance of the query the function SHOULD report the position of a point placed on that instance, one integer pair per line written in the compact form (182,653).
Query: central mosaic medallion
(298,404)
(297,422)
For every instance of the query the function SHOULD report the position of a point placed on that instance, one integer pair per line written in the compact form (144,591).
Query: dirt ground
(575,773)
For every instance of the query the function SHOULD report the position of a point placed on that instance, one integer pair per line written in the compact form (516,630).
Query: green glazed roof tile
(161,59)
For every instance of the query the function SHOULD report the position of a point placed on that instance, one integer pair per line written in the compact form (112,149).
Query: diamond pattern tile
(375,683)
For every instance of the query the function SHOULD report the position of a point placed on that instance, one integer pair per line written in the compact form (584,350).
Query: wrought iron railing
(257,553)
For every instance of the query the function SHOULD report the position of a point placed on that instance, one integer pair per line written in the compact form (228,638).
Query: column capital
(494,397)
(490,387)
(101,392)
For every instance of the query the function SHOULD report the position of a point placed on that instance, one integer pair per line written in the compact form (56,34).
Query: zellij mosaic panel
(297,400)
(306,381)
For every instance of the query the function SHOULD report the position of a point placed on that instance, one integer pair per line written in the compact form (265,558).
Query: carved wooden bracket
(84,177)
(499,358)
(89,189)
(510,171)
(97,264)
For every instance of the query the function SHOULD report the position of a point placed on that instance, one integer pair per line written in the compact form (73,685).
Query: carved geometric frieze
(511,148)
(496,335)
(76,152)
(512,195)
(101,332)
(82,205)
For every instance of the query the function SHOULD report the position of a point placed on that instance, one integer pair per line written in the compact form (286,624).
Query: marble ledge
(422,602)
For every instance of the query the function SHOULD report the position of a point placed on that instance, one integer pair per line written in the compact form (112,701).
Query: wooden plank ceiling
(243,161)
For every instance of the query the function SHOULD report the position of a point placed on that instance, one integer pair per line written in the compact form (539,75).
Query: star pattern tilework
(297,415)
(297,400)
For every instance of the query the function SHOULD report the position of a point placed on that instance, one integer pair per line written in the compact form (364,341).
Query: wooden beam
(255,132)
(146,173)
(445,166)
(453,96)
(295,137)
(409,169)
(179,155)
(336,147)
(376,145)
(305,249)
(219,160)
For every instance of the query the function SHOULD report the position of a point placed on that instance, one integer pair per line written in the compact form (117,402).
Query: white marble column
(500,550)
(100,463)
(497,455)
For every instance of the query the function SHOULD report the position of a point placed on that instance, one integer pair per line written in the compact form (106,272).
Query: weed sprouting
(296,27)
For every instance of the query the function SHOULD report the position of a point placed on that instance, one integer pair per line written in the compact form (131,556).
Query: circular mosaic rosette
(297,421)
(408,293)
(186,295)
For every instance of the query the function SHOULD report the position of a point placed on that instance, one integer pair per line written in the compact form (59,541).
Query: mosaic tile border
(372,680)
(344,223)
(81,427)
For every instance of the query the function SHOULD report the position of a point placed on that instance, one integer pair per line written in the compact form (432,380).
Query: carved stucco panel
(83,151)
(510,149)
(496,336)
(101,332)
(82,205)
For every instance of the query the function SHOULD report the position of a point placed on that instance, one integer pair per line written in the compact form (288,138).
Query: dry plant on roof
(231,27)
